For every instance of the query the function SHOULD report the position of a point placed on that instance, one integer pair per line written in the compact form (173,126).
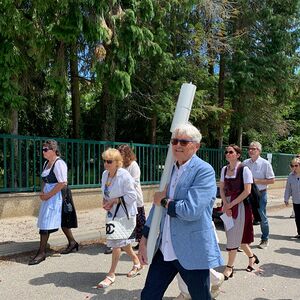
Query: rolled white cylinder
(181,116)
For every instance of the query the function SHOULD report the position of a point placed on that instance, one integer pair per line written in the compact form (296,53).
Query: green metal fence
(21,161)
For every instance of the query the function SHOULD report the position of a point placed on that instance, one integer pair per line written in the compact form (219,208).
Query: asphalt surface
(75,275)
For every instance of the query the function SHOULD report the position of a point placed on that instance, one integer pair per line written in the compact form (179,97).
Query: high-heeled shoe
(36,260)
(249,268)
(230,275)
(70,248)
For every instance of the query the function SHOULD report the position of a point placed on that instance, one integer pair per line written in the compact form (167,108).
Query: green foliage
(133,57)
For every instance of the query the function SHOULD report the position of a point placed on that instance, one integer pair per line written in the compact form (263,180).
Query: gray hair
(189,130)
(256,145)
(52,145)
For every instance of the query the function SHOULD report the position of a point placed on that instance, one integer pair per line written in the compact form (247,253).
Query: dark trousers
(161,273)
(297,216)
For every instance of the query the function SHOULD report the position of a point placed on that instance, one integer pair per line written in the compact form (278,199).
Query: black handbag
(67,196)
(254,197)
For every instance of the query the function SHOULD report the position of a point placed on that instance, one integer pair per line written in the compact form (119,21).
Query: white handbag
(120,228)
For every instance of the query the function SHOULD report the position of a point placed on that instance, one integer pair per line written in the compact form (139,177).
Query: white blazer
(122,185)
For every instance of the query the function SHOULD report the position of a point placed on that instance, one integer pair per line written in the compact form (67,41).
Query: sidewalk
(20,235)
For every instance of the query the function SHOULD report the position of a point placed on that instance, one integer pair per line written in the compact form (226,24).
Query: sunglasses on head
(46,149)
(180,141)
(294,166)
(229,152)
(108,161)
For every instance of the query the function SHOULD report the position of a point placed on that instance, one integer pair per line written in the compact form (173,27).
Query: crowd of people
(187,245)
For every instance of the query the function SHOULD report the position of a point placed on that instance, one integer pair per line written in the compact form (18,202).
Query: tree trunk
(108,116)
(236,129)
(60,124)
(14,128)
(75,91)
(221,96)
(153,129)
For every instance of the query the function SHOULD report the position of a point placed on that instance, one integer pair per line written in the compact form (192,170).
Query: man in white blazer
(187,243)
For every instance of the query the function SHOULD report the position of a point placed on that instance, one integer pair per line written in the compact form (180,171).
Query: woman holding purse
(116,183)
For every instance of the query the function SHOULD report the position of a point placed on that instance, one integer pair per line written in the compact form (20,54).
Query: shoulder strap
(52,167)
(225,171)
(122,202)
(241,170)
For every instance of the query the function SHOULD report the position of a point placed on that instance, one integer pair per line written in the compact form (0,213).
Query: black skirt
(68,219)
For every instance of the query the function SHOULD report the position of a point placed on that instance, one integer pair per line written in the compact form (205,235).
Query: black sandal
(230,275)
(249,268)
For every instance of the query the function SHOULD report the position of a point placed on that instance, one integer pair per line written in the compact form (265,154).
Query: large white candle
(181,116)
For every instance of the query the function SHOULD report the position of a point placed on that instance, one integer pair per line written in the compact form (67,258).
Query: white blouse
(247,175)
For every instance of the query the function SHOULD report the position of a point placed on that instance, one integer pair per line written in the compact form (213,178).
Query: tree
(261,68)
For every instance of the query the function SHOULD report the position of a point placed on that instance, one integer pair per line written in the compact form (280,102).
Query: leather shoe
(70,248)
(36,261)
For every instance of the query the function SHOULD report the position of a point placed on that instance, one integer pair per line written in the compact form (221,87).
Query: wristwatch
(164,202)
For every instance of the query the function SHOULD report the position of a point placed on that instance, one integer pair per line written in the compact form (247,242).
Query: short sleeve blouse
(247,175)
(60,171)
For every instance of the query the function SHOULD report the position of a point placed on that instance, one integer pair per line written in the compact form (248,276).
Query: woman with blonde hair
(117,182)
(292,189)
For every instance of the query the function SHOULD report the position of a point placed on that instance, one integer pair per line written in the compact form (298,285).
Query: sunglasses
(108,161)
(181,142)
(294,166)
(252,149)
(46,149)
(229,152)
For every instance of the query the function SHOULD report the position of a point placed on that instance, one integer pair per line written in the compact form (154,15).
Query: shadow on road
(270,270)
(269,299)
(85,283)
(276,237)
(295,252)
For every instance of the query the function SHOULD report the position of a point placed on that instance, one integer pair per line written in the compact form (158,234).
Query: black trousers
(297,216)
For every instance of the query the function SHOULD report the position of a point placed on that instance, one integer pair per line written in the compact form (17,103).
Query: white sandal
(103,284)
(135,270)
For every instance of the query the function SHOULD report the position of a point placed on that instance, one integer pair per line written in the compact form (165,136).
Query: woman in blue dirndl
(54,178)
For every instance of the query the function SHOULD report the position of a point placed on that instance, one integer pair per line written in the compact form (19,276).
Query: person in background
(54,177)
(263,175)
(235,187)
(117,182)
(130,164)
(186,243)
(293,212)
(292,189)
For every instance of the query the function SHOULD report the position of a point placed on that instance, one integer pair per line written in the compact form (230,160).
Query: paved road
(73,276)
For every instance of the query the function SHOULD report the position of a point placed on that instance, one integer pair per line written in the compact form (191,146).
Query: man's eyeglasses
(108,161)
(229,152)
(183,143)
(294,166)
(46,149)
(252,149)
